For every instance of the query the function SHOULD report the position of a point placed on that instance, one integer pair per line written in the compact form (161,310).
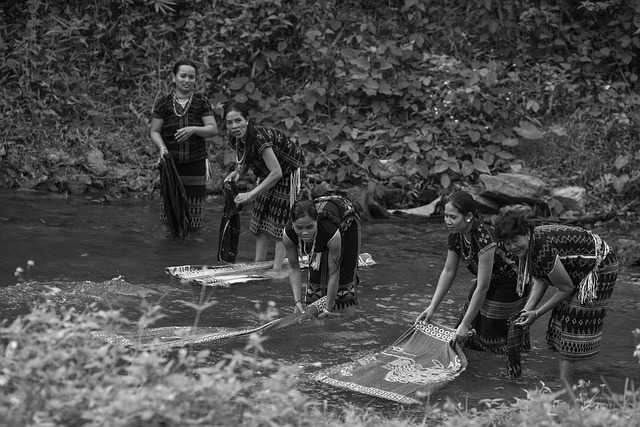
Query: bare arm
(275,173)
(445,281)
(560,279)
(156,137)
(334,247)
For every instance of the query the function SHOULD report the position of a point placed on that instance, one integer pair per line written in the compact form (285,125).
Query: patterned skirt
(575,329)
(492,322)
(347,294)
(193,177)
(271,208)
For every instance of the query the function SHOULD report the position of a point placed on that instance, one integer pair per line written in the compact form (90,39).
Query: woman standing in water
(494,297)
(181,121)
(327,232)
(582,268)
(278,163)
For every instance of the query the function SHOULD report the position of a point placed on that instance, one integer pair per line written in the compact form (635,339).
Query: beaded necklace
(314,261)
(524,269)
(240,160)
(184,107)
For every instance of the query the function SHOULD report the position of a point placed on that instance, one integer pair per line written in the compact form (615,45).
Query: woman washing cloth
(582,268)
(493,298)
(326,231)
(278,163)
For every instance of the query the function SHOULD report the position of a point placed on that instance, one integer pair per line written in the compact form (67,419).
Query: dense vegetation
(54,373)
(405,97)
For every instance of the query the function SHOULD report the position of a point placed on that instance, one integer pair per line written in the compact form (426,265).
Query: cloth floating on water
(169,337)
(225,275)
(420,362)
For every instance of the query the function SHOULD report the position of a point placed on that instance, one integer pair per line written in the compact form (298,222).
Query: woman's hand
(326,313)
(527,318)
(299,307)
(243,198)
(462,334)
(183,134)
(233,176)
(425,315)
(163,152)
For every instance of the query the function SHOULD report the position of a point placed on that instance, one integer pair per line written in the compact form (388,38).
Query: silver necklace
(184,106)
(240,160)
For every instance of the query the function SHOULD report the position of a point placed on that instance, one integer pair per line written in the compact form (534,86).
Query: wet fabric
(174,199)
(230,225)
(420,362)
(169,337)
(518,340)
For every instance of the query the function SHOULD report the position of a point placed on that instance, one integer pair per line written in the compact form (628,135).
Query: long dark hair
(512,223)
(464,203)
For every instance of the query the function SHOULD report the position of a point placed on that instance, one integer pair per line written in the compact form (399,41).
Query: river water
(114,253)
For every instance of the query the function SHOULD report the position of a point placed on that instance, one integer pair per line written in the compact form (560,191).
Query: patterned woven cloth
(170,337)
(420,362)
(228,274)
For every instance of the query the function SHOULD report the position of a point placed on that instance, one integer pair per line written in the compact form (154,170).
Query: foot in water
(280,273)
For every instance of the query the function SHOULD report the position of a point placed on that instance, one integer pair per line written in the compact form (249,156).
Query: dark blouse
(330,216)
(287,150)
(574,245)
(482,239)
(194,148)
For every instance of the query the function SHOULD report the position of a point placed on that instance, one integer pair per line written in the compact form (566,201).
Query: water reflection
(114,255)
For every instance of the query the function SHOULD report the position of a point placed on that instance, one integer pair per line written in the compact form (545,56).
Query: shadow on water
(114,255)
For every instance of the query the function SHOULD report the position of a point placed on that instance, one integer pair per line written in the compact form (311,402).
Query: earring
(468,220)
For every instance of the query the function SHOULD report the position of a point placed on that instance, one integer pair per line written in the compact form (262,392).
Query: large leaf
(528,130)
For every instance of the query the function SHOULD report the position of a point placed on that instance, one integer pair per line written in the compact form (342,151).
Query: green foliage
(54,372)
(408,95)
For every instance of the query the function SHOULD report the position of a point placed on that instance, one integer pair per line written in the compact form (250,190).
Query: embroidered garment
(192,176)
(271,208)
(502,301)
(420,362)
(575,327)
(190,156)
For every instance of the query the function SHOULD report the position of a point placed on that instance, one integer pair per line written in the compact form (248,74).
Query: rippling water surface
(115,254)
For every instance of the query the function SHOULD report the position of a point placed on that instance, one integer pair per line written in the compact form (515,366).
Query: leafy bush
(398,95)
(53,372)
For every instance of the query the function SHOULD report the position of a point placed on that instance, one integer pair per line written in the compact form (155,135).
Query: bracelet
(298,301)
